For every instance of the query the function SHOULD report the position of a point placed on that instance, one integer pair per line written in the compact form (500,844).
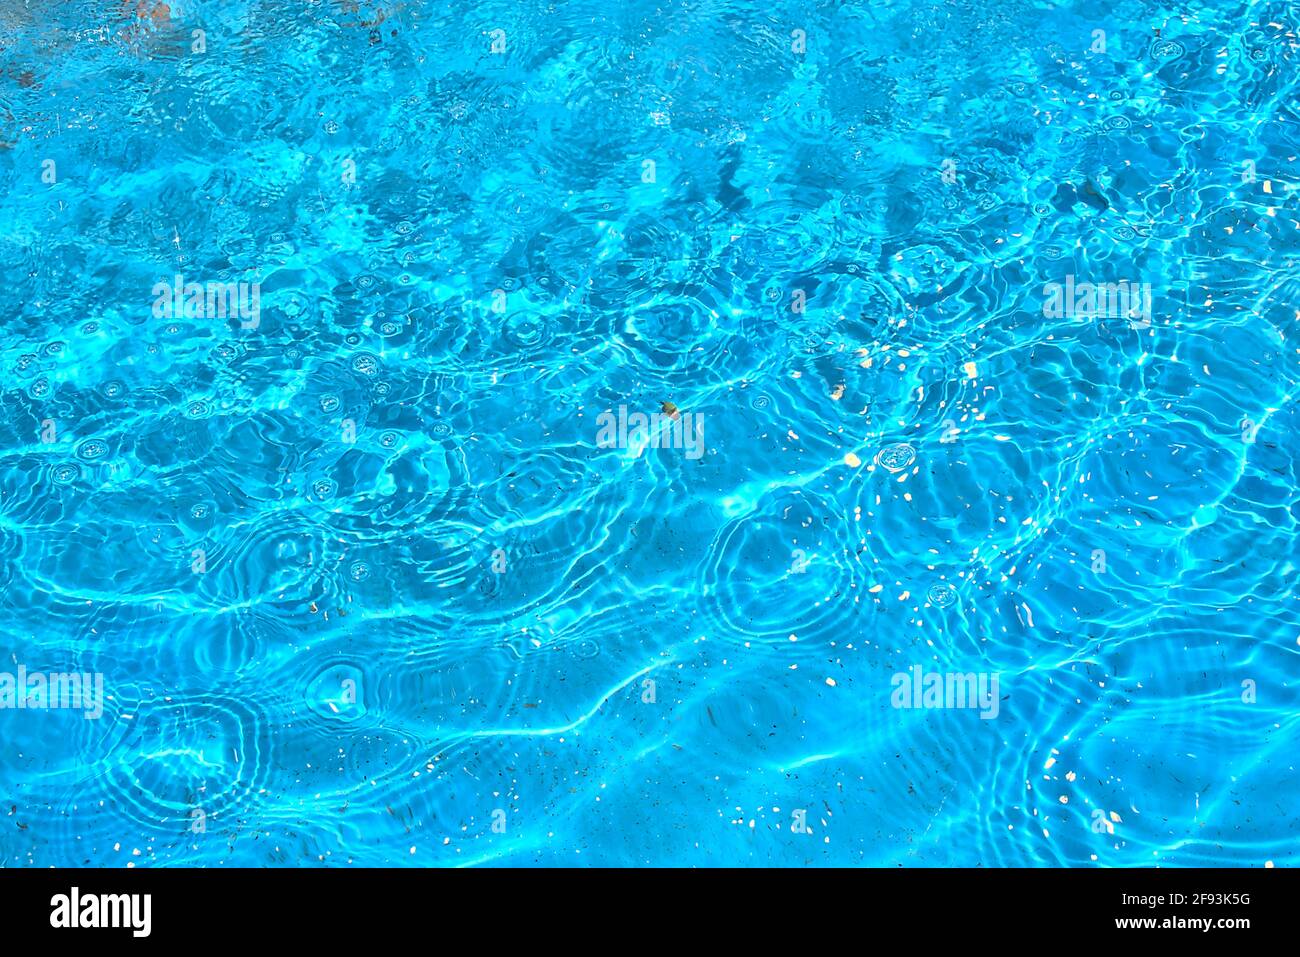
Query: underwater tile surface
(649,433)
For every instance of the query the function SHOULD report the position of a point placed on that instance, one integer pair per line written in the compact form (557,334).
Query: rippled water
(366,583)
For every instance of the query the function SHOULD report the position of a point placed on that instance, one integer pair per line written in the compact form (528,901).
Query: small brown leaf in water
(670,409)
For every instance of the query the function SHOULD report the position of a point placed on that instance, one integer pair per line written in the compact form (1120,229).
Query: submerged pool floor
(692,433)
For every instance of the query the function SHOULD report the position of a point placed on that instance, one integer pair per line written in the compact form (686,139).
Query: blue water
(365,584)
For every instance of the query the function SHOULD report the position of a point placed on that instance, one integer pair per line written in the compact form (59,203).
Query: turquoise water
(380,570)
